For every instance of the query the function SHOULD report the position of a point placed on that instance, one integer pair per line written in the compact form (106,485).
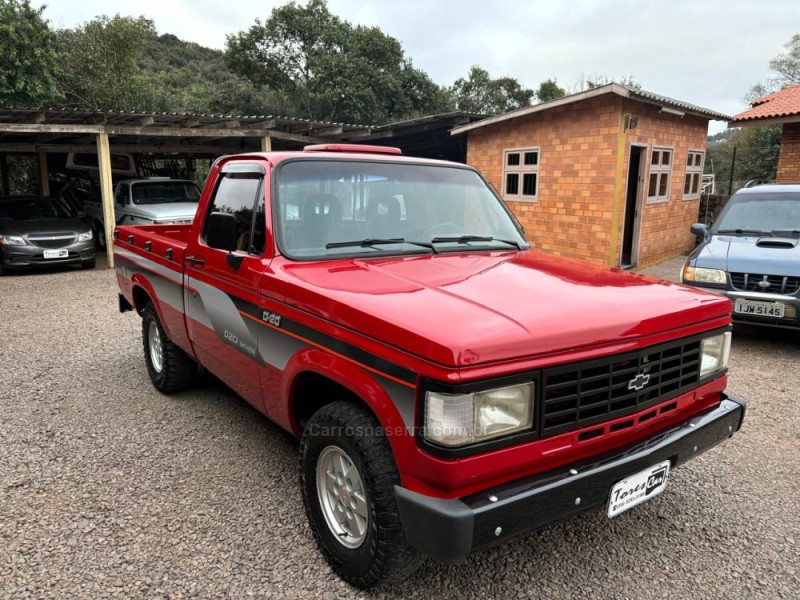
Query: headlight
(11,240)
(714,354)
(455,420)
(85,237)
(702,275)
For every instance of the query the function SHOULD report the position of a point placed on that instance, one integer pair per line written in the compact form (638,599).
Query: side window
(658,186)
(123,194)
(241,194)
(692,182)
(521,174)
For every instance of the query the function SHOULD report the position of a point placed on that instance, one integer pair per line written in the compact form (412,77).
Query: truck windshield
(752,214)
(327,208)
(164,192)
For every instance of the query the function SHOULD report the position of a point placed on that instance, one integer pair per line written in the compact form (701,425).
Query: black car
(37,231)
(752,255)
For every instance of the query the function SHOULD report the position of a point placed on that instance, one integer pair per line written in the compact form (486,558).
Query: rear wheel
(170,369)
(348,478)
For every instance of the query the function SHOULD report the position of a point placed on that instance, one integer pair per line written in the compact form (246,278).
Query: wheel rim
(342,497)
(156,347)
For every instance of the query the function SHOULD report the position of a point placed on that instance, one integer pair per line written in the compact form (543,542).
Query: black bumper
(450,529)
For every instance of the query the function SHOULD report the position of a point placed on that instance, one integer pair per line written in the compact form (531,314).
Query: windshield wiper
(746,232)
(369,242)
(785,232)
(465,239)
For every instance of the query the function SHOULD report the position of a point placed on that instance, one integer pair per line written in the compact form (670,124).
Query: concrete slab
(669,269)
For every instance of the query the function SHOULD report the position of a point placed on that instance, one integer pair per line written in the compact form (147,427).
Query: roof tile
(785,103)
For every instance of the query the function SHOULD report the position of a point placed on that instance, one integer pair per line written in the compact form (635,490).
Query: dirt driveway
(109,489)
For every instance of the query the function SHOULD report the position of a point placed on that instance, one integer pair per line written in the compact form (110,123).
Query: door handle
(195,261)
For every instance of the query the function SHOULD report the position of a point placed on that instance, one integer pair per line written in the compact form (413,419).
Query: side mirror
(699,229)
(221,231)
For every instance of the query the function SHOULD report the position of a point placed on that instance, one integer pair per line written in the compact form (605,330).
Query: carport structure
(188,136)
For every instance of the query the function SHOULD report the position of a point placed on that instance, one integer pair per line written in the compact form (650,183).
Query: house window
(692,181)
(660,172)
(521,174)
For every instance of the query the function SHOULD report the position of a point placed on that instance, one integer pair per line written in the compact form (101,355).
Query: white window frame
(694,173)
(660,171)
(520,171)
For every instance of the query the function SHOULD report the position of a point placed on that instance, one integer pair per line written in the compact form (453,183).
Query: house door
(629,252)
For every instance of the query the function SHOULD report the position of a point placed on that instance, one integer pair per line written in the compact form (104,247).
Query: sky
(705,52)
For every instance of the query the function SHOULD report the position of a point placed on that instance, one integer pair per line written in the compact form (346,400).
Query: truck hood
(751,254)
(169,210)
(466,309)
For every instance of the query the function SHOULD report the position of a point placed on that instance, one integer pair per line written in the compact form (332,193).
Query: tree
(601,80)
(786,69)
(27,56)
(549,90)
(481,94)
(99,59)
(329,69)
(787,65)
(757,151)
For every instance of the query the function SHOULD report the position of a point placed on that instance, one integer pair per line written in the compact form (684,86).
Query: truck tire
(348,476)
(170,369)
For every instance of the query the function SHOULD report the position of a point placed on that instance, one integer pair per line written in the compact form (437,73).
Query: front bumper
(791,304)
(23,257)
(450,529)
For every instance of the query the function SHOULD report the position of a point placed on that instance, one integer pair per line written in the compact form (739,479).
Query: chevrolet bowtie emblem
(639,381)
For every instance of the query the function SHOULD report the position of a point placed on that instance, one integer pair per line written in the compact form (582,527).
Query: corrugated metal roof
(611,88)
(785,103)
(67,115)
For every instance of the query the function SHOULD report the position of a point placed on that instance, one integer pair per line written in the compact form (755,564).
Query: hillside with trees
(301,61)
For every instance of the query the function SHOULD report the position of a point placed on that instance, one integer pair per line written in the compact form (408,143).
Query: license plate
(56,253)
(637,488)
(761,309)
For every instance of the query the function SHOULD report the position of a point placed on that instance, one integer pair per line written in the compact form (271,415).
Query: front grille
(582,394)
(778,284)
(52,241)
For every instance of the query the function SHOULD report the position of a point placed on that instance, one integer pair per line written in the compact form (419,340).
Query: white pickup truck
(150,201)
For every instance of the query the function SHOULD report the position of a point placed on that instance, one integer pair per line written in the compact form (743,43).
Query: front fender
(387,400)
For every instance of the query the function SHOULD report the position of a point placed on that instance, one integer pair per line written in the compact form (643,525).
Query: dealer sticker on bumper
(638,488)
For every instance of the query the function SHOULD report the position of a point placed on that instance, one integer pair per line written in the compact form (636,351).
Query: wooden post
(107,192)
(266,144)
(44,176)
(4,173)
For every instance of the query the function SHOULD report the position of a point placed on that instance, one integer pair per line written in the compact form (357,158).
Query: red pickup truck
(451,387)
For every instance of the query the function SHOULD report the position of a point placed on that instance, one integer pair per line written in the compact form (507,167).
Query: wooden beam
(4,173)
(125,148)
(335,130)
(154,131)
(266,144)
(39,118)
(107,193)
(145,121)
(264,124)
(44,176)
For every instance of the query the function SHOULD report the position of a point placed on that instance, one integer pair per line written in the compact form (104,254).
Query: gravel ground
(109,489)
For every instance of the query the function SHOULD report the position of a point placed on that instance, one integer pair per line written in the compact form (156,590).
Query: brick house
(611,175)
(780,108)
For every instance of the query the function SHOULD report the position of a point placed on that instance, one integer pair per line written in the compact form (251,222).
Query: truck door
(222,286)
